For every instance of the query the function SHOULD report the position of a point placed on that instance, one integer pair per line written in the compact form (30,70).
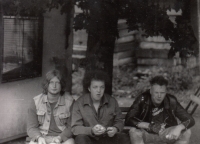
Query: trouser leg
(140,136)
(84,139)
(122,138)
(184,138)
(136,136)
(118,138)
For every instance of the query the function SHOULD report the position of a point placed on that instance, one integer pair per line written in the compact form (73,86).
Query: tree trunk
(100,56)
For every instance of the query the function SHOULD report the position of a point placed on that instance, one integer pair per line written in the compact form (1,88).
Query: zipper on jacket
(145,114)
(142,112)
(173,114)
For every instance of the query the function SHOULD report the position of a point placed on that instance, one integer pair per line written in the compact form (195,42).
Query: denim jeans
(140,136)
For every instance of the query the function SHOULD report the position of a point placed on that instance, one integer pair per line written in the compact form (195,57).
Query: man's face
(54,87)
(96,90)
(158,93)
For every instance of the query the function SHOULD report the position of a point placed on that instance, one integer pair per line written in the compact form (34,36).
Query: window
(22,48)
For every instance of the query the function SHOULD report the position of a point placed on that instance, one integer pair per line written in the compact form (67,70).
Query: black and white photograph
(99,71)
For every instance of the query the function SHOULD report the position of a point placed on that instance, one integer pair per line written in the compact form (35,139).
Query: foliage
(99,17)
(33,7)
(128,82)
(150,16)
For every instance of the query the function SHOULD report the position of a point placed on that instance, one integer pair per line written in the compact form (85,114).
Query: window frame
(37,56)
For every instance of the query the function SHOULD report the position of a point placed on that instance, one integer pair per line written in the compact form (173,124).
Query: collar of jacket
(61,99)
(166,100)
(88,99)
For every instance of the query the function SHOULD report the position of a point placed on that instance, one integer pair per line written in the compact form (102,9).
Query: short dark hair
(98,75)
(51,74)
(160,80)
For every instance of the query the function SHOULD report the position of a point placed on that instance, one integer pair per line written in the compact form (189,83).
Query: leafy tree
(99,18)
(33,7)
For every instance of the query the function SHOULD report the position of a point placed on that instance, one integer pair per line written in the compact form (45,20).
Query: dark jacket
(140,111)
(84,116)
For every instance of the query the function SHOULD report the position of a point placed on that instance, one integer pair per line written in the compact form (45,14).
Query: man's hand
(143,125)
(41,140)
(57,140)
(111,131)
(98,130)
(175,132)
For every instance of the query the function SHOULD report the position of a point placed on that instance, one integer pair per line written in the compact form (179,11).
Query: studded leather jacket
(140,111)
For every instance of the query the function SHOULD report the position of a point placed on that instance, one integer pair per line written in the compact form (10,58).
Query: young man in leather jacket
(153,116)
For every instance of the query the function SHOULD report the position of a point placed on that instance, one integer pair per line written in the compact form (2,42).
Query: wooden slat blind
(20,38)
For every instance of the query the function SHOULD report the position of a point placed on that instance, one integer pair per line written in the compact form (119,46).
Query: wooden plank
(124,109)
(126,54)
(155,45)
(157,39)
(125,46)
(125,39)
(125,32)
(155,61)
(151,53)
(79,52)
(123,61)
(78,56)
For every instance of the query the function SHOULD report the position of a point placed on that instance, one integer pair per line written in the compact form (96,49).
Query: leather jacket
(140,111)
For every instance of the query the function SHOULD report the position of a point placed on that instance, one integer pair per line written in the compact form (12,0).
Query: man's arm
(175,132)
(66,133)
(143,125)
(77,122)
(118,121)
(132,117)
(186,119)
(32,123)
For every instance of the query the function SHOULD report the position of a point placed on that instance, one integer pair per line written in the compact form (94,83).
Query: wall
(16,96)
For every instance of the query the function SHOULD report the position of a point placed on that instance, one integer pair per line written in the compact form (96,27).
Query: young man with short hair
(96,116)
(153,117)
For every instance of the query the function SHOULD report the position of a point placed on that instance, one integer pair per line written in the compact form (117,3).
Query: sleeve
(77,122)
(66,133)
(132,117)
(186,119)
(32,123)
(118,121)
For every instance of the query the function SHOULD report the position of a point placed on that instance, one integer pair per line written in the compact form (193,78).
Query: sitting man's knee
(187,134)
(69,141)
(136,136)
(134,131)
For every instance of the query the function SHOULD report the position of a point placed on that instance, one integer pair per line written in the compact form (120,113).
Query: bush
(130,83)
